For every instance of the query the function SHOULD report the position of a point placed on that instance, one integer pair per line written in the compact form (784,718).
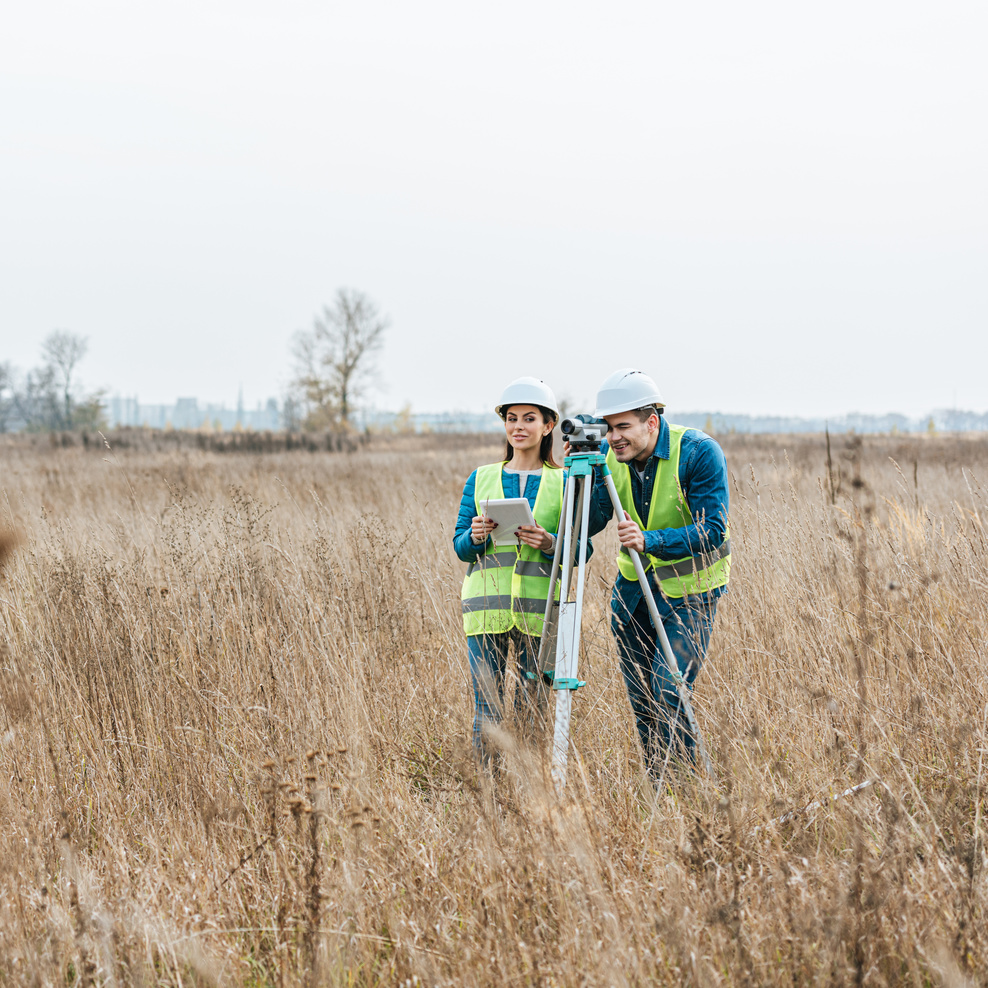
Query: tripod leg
(562,567)
(547,643)
(568,641)
(681,688)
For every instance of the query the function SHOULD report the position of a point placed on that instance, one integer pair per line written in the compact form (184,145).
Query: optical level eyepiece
(583,432)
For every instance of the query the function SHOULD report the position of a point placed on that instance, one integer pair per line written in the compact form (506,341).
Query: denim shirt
(703,478)
(462,543)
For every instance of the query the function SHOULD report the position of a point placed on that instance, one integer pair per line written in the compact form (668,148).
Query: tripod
(561,632)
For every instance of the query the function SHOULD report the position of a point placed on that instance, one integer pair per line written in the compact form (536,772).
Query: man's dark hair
(646,411)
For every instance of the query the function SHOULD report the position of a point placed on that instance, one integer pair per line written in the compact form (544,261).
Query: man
(672,484)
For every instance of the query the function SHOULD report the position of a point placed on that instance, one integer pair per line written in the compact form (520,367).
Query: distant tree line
(334,362)
(48,398)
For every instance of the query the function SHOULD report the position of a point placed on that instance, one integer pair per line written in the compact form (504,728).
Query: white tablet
(509,513)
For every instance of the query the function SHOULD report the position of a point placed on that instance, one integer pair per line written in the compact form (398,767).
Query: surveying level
(559,650)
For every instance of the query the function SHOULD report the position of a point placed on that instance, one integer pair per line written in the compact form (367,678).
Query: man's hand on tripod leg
(630,535)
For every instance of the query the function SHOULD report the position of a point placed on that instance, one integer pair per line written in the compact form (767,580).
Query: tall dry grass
(234,710)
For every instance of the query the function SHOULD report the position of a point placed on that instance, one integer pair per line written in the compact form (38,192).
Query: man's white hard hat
(527,391)
(626,389)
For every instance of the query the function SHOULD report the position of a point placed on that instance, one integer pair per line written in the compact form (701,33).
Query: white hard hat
(625,390)
(527,391)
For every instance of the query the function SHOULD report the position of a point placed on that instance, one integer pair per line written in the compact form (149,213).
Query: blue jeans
(651,688)
(488,656)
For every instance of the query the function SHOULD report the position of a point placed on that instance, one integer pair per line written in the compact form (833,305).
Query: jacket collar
(662,444)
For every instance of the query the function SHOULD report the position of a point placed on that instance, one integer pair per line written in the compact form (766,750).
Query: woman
(504,592)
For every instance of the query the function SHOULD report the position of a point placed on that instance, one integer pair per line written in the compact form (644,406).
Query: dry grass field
(234,712)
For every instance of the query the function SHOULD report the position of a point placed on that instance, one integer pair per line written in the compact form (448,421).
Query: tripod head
(584,433)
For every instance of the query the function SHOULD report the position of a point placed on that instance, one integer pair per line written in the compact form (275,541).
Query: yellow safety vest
(678,577)
(507,586)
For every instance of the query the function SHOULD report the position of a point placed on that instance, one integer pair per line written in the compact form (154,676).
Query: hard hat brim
(502,409)
(657,404)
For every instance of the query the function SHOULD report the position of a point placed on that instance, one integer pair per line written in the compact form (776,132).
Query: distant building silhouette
(187,413)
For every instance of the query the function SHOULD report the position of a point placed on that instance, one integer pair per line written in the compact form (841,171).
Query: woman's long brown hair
(545,447)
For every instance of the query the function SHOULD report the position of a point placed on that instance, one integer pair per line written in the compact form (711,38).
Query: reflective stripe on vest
(507,587)
(668,509)
(528,605)
(540,567)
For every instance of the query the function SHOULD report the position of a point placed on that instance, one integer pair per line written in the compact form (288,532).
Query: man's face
(629,437)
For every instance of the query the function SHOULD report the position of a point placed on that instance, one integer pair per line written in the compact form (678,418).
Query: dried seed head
(268,763)
(310,754)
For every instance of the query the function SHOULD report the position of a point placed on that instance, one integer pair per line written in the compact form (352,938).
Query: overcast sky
(773,207)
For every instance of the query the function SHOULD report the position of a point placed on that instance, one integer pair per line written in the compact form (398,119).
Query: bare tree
(61,352)
(45,398)
(36,400)
(335,357)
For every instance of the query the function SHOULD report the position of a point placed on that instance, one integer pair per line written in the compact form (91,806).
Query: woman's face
(525,427)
